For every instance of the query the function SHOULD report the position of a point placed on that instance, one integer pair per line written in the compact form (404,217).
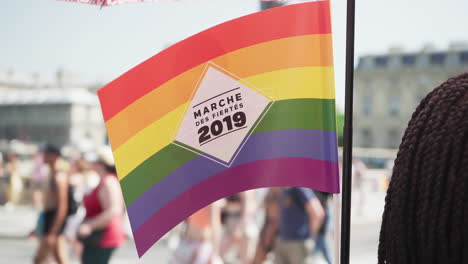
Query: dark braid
(401,187)
(450,206)
(425,217)
(408,134)
(435,170)
(464,214)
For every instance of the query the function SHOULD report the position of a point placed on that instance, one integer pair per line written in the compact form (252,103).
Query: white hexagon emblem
(223,112)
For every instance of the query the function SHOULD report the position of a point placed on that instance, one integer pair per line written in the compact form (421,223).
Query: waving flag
(246,104)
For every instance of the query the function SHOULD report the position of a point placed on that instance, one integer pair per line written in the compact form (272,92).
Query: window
(381,61)
(438,58)
(394,106)
(361,63)
(367,106)
(366,133)
(408,60)
(367,138)
(393,139)
(464,57)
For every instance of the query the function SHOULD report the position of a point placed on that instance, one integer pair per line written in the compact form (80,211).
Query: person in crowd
(270,226)
(321,241)
(102,230)
(2,170)
(39,185)
(239,225)
(388,172)
(359,169)
(200,243)
(82,180)
(39,179)
(55,210)
(301,216)
(3,182)
(425,219)
(13,180)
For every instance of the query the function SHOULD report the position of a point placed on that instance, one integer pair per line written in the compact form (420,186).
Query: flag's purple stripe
(303,172)
(303,143)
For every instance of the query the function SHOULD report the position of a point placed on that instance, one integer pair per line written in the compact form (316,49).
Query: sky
(101,44)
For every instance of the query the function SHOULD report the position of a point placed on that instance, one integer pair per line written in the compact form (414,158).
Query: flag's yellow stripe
(307,82)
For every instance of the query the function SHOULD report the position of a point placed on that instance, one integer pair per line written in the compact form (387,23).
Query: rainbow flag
(246,104)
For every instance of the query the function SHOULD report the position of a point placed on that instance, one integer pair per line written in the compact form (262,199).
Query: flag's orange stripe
(303,51)
(239,33)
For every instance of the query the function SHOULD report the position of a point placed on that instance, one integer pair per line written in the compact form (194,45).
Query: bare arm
(247,211)
(61,181)
(316,215)
(270,228)
(111,200)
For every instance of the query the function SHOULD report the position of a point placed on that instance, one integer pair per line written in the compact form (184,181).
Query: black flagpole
(348,135)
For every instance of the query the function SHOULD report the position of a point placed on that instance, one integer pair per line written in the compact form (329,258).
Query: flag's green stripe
(316,114)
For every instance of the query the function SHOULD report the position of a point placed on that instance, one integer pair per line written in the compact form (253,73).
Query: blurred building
(39,110)
(388,87)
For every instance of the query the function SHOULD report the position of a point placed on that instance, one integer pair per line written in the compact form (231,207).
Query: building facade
(49,112)
(388,88)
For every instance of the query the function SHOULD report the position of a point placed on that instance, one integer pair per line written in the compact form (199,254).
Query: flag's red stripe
(249,30)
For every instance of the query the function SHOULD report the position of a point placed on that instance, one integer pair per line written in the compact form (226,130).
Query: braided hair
(425,219)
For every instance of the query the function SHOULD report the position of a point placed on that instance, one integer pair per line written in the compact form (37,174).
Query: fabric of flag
(277,64)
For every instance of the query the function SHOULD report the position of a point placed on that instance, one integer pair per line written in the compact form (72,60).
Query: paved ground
(16,223)
(21,251)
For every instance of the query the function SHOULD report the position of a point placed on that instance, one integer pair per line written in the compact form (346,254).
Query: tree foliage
(339,127)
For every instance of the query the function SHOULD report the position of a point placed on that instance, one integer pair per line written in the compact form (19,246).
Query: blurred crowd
(82,211)
(283,225)
(80,202)
(283,228)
